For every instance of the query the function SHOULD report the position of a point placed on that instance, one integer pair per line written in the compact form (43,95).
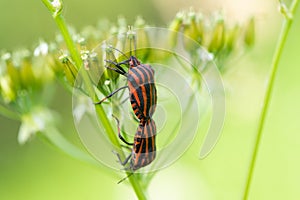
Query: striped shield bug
(141,85)
(143,151)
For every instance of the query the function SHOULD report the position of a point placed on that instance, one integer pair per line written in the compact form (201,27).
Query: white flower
(38,120)
(56,4)
(42,49)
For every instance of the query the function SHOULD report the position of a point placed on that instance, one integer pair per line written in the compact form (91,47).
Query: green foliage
(29,76)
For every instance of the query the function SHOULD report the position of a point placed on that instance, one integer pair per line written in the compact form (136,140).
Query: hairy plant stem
(75,55)
(266,103)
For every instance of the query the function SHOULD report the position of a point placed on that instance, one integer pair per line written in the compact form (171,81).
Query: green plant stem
(54,138)
(65,33)
(99,110)
(8,113)
(266,103)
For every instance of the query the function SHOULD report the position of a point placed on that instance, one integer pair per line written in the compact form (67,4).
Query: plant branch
(266,103)
(54,138)
(58,18)
(75,55)
(8,113)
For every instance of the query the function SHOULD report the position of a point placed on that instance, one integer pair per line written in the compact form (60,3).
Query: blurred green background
(38,171)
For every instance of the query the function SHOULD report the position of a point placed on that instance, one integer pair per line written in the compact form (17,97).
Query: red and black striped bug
(144,148)
(141,85)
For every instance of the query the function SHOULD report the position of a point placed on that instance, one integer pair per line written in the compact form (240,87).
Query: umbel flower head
(213,33)
(26,85)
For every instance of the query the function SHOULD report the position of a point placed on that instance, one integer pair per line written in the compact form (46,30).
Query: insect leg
(119,132)
(120,160)
(134,117)
(111,94)
(126,147)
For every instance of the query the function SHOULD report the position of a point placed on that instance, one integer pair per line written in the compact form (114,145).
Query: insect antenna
(119,51)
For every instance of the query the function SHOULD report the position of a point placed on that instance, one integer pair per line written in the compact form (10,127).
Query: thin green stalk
(78,63)
(53,137)
(266,103)
(8,113)
(99,110)
(58,17)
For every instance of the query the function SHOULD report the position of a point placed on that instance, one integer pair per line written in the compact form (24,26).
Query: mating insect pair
(143,148)
(143,99)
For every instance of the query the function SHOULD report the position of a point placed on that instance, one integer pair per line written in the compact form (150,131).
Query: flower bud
(142,39)
(121,36)
(139,22)
(121,42)
(106,76)
(42,70)
(250,33)
(57,7)
(27,75)
(218,37)
(191,32)
(175,27)
(52,58)
(7,92)
(130,43)
(231,38)
(69,68)
(284,10)
(113,34)
(122,23)
(200,27)
(108,55)
(12,69)
(37,120)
